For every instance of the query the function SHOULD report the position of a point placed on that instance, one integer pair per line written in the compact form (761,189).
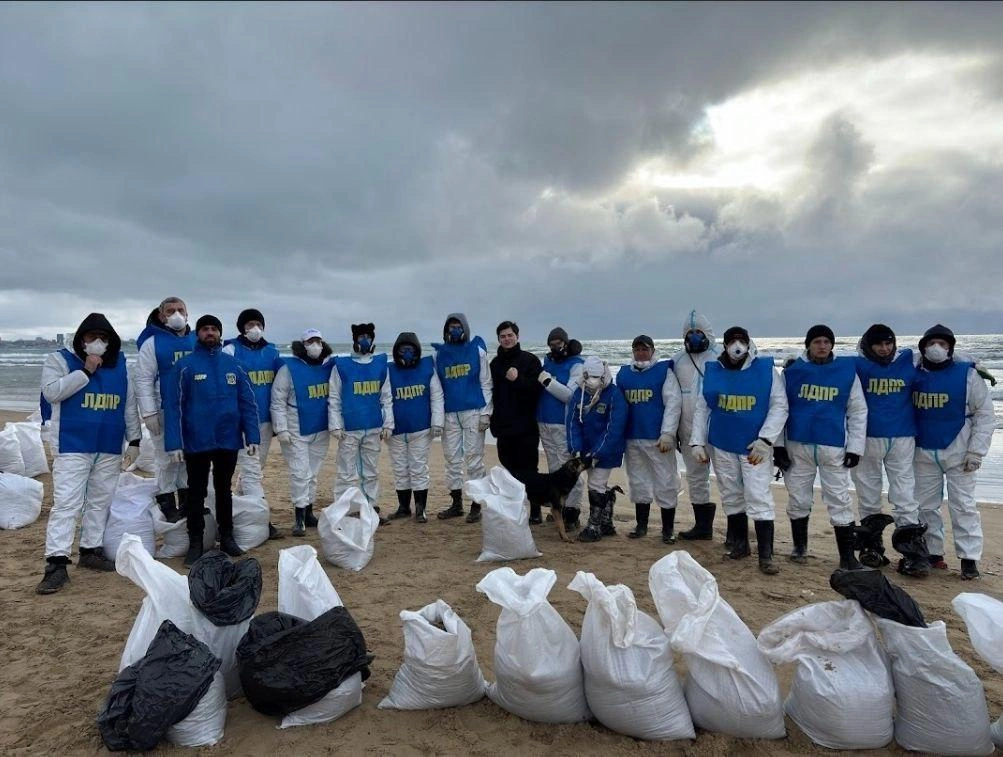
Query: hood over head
(695,321)
(876,333)
(98,322)
(406,337)
(942,332)
(463,321)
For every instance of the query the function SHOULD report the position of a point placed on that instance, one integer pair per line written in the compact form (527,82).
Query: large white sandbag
(941,706)
(175,535)
(20,500)
(983,617)
(538,666)
(346,541)
(130,513)
(504,516)
(842,695)
(11,460)
(630,683)
(730,687)
(250,521)
(331,706)
(204,725)
(305,591)
(29,436)
(440,664)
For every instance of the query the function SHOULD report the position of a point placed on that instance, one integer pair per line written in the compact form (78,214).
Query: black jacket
(515,401)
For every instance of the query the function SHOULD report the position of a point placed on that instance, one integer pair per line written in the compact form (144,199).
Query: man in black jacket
(515,376)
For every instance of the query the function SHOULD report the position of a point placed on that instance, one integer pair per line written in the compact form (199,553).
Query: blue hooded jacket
(598,431)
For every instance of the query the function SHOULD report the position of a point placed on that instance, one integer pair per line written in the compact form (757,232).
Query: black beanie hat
(735,332)
(819,330)
(251,314)
(643,340)
(940,331)
(209,320)
(557,333)
(876,334)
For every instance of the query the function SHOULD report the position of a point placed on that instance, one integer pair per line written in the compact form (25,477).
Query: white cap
(311,334)
(593,366)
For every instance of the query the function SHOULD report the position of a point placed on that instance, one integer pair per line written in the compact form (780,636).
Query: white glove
(700,454)
(284,437)
(338,433)
(129,457)
(485,423)
(666,442)
(544,378)
(436,432)
(759,451)
(153,424)
(251,449)
(973,461)
(386,433)
(176,456)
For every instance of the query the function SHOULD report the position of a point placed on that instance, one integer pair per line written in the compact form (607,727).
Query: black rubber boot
(474,516)
(642,510)
(764,544)
(195,551)
(299,528)
(592,531)
(703,528)
(572,516)
(403,505)
(870,543)
(739,524)
(93,558)
(910,541)
(420,501)
(534,514)
(969,570)
(274,533)
(729,538)
(55,577)
(309,520)
(228,544)
(169,507)
(799,533)
(183,501)
(455,510)
(606,524)
(846,540)
(668,521)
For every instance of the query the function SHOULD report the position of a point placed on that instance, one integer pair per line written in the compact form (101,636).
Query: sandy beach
(61,652)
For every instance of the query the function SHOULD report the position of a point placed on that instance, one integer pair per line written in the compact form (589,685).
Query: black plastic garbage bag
(877,594)
(157,691)
(286,663)
(225,592)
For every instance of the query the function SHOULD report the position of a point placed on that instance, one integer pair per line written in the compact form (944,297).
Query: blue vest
(643,392)
(459,370)
(550,409)
(888,391)
(360,391)
(93,419)
(940,401)
(170,348)
(739,401)
(412,390)
(312,390)
(818,396)
(260,365)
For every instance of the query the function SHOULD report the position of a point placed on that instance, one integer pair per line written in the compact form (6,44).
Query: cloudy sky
(603,167)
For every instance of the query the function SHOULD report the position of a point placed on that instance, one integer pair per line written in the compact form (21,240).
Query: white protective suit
(80,481)
(688,368)
(652,475)
(934,467)
(358,451)
(250,467)
(171,476)
(409,452)
(744,487)
(554,436)
(304,455)
(828,461)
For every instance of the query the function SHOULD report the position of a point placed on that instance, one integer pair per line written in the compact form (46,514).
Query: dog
(552,489)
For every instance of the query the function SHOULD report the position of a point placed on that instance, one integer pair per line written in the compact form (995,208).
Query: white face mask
(737,350)
(642,364)
(314,350)
(254,334)
(593,384)
(176,321)
(936,353)
(97,347)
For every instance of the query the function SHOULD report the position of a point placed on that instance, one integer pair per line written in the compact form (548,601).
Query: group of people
(212,408)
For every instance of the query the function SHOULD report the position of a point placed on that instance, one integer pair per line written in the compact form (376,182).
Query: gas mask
(455,334)
(96,347)
(176,321)
(314,349)
(254,334)
(364,345)
(696,342)
(936,353)
(407,355)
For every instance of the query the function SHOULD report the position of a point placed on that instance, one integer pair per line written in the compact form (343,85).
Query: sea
(21,370)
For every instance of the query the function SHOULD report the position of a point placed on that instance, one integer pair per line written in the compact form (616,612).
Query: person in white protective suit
(260,358)
(954,428)
(418,418)
(699,348)
(653,406)
(826,431)
(300,418)
(561,374)
(93,413)
(739,412)
(166,339)
(461,363)
(360,413)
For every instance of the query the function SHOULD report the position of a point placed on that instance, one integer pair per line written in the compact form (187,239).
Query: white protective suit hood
(695,321)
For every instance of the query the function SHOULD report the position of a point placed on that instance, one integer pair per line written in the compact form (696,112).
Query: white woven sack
(204,725)
(331,706)
(11,460)
(174,536)
(504,516)
(250,521)
(305,591)
(29,436)
(20,500)
(346,541)
(130,513)
(983,617)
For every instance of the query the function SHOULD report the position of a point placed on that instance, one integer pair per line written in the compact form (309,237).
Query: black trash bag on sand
(157,691)
(287,663)
(225,592)
(878,595)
